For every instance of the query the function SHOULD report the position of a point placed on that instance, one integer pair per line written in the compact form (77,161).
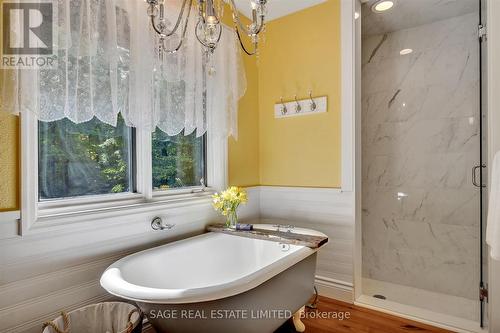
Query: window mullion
(29,170)
(143,170)
(217,161)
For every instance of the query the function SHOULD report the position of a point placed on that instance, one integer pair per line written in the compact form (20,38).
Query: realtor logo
(28,34)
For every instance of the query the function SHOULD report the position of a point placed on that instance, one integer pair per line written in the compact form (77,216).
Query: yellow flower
(229,200)
(243,197)
(217,202)
(227,196)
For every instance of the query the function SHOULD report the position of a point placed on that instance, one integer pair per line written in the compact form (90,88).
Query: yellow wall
(9,167)
(301,52)
(243,154)
(9,131)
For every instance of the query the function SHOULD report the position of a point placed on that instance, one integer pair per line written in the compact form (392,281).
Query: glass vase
(232,219)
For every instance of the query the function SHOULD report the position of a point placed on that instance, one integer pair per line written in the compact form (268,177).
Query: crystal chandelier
(208,28)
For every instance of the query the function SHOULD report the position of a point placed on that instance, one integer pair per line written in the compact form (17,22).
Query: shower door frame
(493,115)
(351,124)
(483,193)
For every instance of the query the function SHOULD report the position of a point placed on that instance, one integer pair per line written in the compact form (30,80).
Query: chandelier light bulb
(212,20)
(212,33)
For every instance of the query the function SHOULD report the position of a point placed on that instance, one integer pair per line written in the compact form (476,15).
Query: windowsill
(97,202)
(133,206)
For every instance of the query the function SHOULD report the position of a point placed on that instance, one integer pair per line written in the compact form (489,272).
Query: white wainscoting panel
(252,209)
(9,224)
(329,211)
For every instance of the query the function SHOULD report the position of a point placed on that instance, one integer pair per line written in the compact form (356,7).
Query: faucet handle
(277,226)
(289,227)
(157,224)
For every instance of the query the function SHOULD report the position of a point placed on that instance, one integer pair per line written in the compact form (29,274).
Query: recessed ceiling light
(356,15)
(405,51)
(382,6)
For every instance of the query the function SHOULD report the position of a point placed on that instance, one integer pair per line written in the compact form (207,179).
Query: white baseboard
(337,290)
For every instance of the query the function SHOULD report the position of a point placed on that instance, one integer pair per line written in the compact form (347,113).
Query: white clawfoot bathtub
(216,282)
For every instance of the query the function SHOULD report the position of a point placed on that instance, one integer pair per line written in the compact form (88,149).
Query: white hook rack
(302,107)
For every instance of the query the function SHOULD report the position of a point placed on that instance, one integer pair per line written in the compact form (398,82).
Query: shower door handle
(474,175)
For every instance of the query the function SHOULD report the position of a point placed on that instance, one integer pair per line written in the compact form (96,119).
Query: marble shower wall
(420,141)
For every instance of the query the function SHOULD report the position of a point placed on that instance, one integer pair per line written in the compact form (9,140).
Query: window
(94,158)
(94,173)
(84,159)
(178,161)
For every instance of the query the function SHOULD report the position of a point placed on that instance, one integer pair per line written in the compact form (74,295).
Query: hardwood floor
(360,320)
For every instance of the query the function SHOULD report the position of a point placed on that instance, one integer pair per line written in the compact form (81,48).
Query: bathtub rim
(116,285)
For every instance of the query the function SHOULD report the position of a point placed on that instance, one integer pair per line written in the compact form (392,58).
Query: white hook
(298,107)
(313,103)
(284,110)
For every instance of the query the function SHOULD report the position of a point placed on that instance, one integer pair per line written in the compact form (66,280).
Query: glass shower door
(422,131)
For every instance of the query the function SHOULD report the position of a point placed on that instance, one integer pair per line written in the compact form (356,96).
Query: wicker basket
(109,317)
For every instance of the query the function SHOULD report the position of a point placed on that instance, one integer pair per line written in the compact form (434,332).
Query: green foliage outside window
(94,158)
(83,159)
(178,161)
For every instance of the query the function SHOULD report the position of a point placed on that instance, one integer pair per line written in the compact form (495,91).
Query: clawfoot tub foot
(297,322)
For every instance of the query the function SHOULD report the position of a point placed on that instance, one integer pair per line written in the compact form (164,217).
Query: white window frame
(62,213)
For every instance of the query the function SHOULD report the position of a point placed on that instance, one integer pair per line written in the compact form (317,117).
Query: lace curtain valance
(107,64)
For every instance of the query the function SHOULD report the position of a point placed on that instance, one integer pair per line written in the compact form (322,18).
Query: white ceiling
(278,8)
(412,13)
